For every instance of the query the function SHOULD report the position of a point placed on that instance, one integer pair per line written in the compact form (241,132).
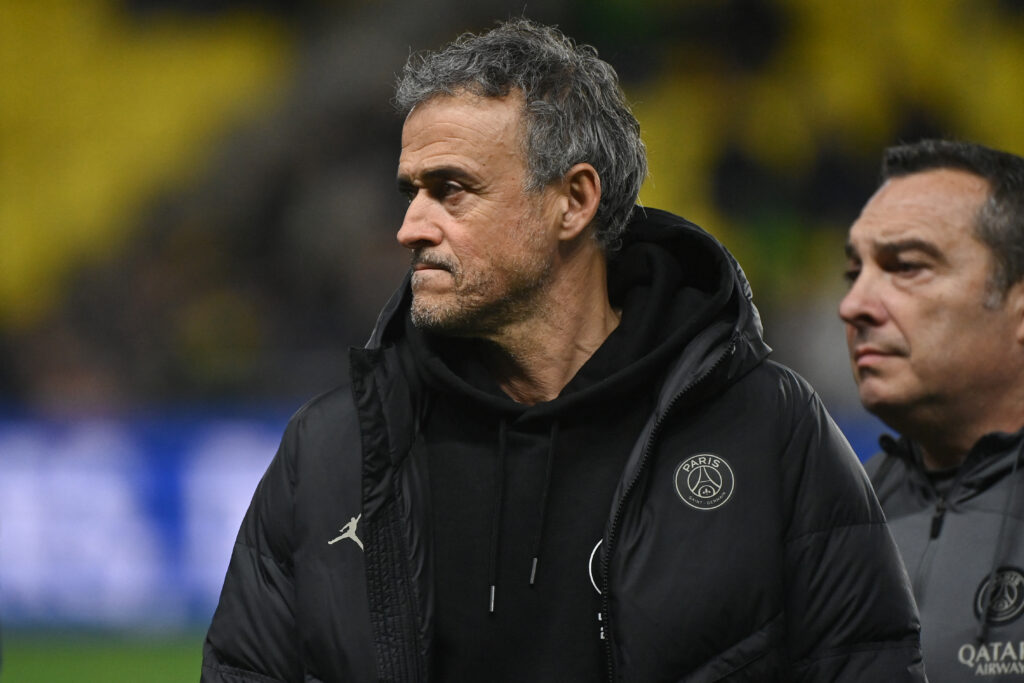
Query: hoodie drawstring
(552,438)
(499,499)
(499,502)
(982,634)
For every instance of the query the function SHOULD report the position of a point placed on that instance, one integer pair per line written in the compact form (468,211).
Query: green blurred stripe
(103,658)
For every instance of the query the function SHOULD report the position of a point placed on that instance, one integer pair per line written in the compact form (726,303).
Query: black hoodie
(512,485)
(730,532)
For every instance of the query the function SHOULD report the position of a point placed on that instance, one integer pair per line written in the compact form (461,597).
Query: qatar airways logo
(993,659)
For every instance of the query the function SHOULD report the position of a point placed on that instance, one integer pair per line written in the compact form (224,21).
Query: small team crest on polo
(1005,592)
(704,481)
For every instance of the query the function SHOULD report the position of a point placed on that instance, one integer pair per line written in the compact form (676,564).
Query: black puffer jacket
(743,542)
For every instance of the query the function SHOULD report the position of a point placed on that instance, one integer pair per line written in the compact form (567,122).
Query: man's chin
(438,319)
(888,406)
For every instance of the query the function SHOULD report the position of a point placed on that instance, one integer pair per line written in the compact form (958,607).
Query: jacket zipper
(937,518)
(935,528)
(604,616)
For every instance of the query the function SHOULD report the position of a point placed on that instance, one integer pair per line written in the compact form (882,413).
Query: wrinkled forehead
(940,205)
(476,135)
(464,119)
(463,100)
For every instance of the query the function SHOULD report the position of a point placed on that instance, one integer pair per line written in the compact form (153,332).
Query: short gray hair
(1000,221)
(574,109)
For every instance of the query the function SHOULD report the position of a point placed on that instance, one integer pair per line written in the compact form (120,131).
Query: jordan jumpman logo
(349,531)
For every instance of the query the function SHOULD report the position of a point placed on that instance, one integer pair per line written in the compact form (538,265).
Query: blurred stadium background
(197,216)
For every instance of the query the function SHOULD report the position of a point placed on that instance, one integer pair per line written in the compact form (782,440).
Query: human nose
(418,229)
(862,305)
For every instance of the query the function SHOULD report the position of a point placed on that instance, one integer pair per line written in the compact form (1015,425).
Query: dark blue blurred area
(129,522)
(125,522)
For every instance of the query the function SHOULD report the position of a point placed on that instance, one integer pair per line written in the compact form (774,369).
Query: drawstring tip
(533,571)
(491,609)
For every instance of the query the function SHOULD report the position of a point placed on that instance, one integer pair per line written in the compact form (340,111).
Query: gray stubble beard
(458,317)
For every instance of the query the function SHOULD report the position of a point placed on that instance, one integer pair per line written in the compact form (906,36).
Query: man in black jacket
(562,455)
(935,324)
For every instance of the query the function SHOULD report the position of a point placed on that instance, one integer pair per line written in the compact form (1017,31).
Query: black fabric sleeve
(253,636)
(850,611)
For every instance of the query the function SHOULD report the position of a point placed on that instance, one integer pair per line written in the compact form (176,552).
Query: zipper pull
(600,622)
(940,512)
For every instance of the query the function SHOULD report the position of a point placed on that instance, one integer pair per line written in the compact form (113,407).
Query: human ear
(1013,306)
(582,193)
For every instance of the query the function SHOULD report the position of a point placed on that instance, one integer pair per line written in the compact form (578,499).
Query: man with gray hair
(935,326)
(562,455)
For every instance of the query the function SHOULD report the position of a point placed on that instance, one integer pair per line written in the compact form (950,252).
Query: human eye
(905,267)
(407,190)
(448,189)
(851,272)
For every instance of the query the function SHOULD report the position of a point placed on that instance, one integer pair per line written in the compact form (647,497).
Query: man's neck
(941,457)
(534,360)
(536,368)
(947,446)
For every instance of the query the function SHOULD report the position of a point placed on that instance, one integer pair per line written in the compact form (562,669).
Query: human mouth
(424,262)
(431,272)
(867,355)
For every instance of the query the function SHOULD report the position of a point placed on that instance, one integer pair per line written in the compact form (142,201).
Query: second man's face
(482,247)
(924,335)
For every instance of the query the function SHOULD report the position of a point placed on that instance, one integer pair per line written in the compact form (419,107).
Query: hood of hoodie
(677,287)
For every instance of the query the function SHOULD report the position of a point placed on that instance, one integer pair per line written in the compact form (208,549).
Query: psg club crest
(1005,592)
(704,481)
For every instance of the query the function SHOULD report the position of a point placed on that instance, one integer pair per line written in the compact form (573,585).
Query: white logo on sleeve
(349,531)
